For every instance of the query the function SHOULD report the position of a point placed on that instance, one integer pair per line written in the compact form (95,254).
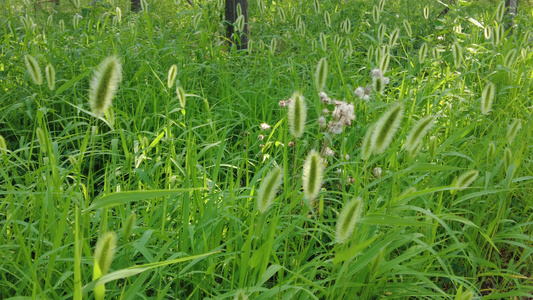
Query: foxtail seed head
(378,84)
(105,251)
(269,188)
(128,227)
(487,32)
(104,85)
(350,214)
(419,130)
(487,97)
(241,296)
(316,5)
(3,147)
(327,19)
(375,14)
(312,175)
(466,179)
(500,11)
(507,157)
(297,115)
(381,31)
(386,127)
(172,73)
(408,28)
(181,96)
(422,53)
(321,74)
(432,148)
(366,148)
(510,58)
(491,152)
(41,137)
(33,69)
(513,130)
(395,34)
(426,12)
(457,54)
(50,73)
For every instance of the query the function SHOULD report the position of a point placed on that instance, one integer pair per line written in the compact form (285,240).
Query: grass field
(357,150)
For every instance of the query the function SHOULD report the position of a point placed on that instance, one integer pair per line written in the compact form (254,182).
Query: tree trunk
(231,16)
(56,2)
(135,5)
(511,7)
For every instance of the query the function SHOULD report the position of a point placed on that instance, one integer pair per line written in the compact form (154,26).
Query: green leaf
(131,196)
(124,273)
(71,82)
(382,219)
(352,251)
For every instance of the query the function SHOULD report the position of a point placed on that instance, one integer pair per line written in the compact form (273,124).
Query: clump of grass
(297,115)
(33,69)
(419,130)
(321,74)
(350,214)
(386,128)
(172,73)
(312,175)
(466,179)
(103,257)
(268,189)
(487,98)
(104,85)
(50,73)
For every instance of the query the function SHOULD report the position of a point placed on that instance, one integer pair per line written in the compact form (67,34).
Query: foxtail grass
(457,52)
(426,12)
(422,53)
(172,73)
(375,14)
(491,152)
(507,157)
(408,28)
(127,228)
(466,179)
(41,137)
(350,214)
(321,74)
(487,98)
(395,34)
(366,147)
(269,188)
(33,69)
(312,175)
(419,130)
(297,115)
(3,147)
(50,73)
(103,257)
(510,58)
(386,128)
(182,97)
(513,129)
(104,85)
(432,147)
(327,19)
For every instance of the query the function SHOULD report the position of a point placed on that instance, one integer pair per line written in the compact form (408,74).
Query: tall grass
(183,174)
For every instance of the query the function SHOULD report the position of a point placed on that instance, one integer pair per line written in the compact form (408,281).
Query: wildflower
(335,127)
(347,157)
(265,126)
(325,111)
(261,137)
(377,172)
(360,92)
(322,122)
(328,152)
(291,144)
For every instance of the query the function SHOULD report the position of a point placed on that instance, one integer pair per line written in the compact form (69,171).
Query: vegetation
(152,159)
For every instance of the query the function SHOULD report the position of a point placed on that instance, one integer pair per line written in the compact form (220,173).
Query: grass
(190,170)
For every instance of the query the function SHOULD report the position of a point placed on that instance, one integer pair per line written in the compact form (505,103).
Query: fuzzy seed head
(408,28)
(312,175)
(239,23)
(273,45)
(269,188)
(105,251)
(327,19)
(491,152)
(432,148)
(128,227)
(104,85)
(118,12)
(419,130)
(510,58)
(181,96)
(386,128)
(33,69)
(297,115)
(366,148)
(196,20)
(500,11)
(508,157)
(241,296)
(457,54)
(323,41)
(395,34)
(50,73)
(381,31)
(316,5)
(350,214)
(375,14)
(426,12)
(487,98)
(466,179)
(281,14)
(3,146)
(321,74)
(513,129)
(41,138)
(487,32)
(172,73)
(378,84)
(422,53)
(381,5)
